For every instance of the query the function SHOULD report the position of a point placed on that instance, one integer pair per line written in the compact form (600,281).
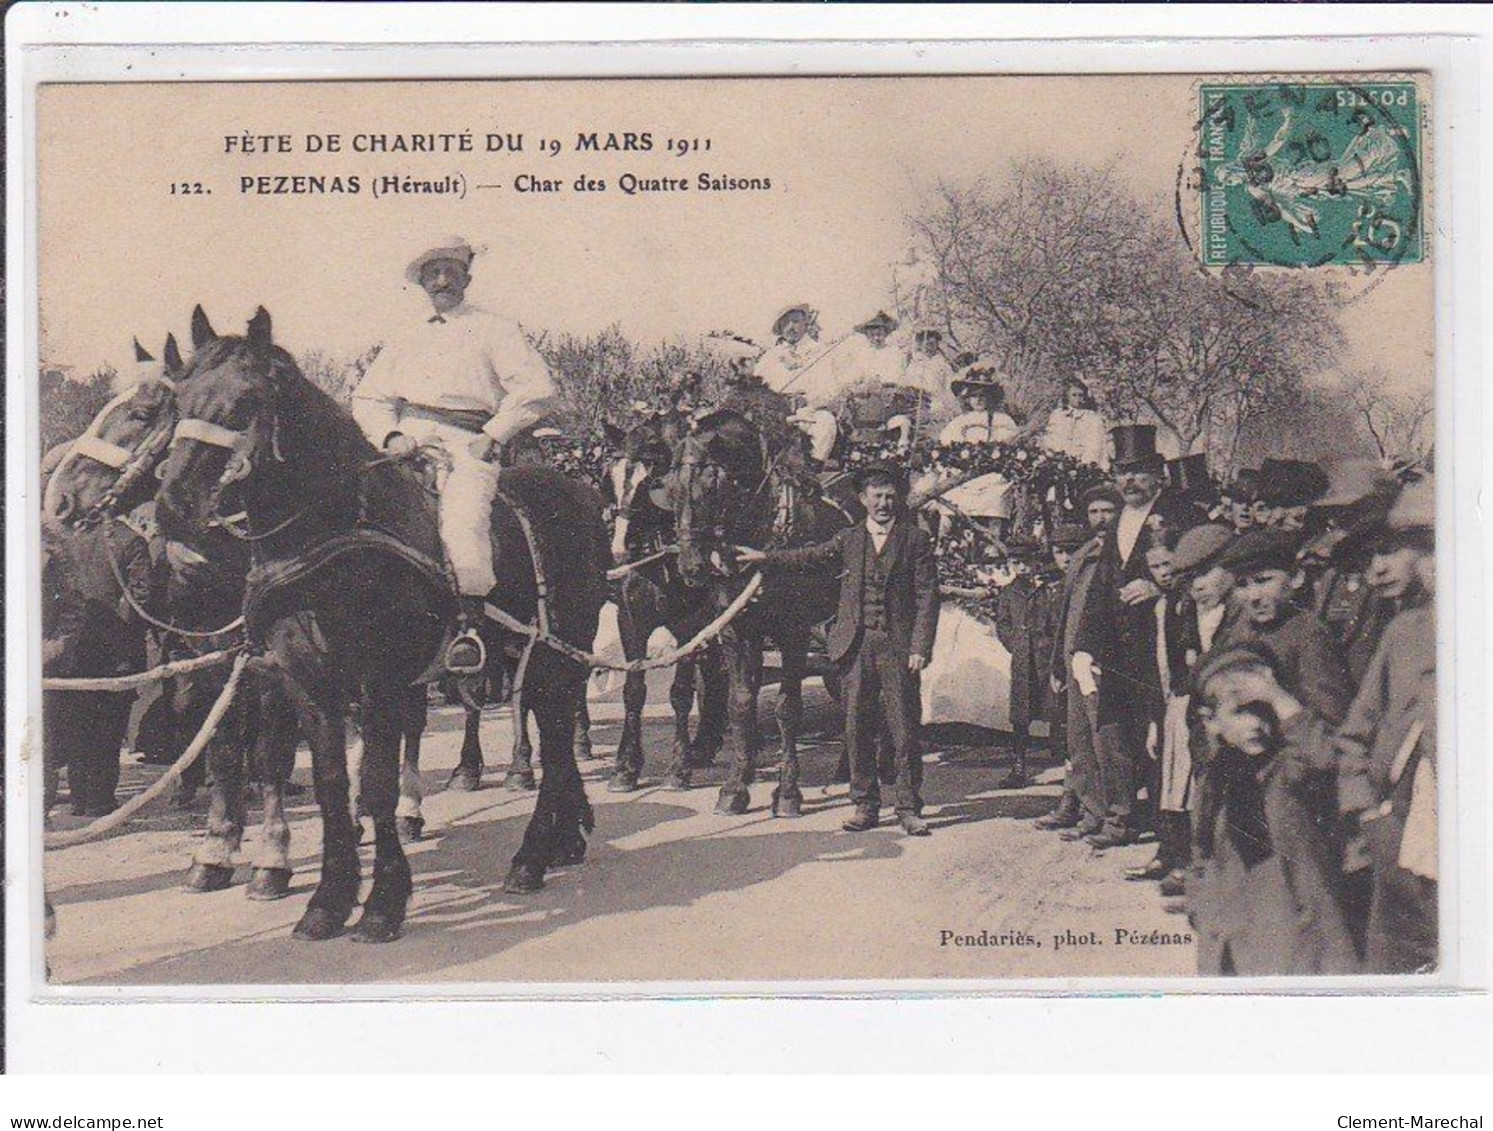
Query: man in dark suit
(1115,646)
(881,639)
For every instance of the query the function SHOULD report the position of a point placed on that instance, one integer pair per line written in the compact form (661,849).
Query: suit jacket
(911,584)
(1077,579)
(1024,616)
(1120,637)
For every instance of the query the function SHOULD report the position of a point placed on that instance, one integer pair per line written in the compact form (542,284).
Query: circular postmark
(1309,172)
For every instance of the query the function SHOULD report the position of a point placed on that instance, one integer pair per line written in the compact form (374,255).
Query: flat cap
(1245,654)
(1070,535)
(1263,548)
(1200,547)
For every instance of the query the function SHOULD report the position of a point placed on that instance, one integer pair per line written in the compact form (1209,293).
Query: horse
(653,595)
(349,601)
(734,484)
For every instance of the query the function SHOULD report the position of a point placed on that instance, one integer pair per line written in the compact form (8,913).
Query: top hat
(1189,475)
(452,247)
(977,376)
(1246,485)
(882,321)
(1135,448)
(797,310)
(1291,482)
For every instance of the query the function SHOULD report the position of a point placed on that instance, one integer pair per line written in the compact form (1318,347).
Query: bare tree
(1401,423)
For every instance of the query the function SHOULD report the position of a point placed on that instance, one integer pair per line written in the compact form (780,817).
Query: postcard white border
(43,46)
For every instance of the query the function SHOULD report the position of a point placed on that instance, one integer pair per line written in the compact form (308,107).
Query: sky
(848,159)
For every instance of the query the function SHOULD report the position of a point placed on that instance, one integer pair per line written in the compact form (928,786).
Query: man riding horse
(467,382)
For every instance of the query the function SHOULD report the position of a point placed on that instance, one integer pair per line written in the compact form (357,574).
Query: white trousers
(467,487)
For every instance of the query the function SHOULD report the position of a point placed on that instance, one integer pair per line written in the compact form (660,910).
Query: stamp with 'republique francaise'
(1311,174)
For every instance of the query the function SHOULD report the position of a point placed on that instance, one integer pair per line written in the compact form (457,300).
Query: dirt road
(668,892)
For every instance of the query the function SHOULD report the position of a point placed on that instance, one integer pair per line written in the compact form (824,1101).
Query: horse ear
(140,354)
(172,356)
(259,329)
(202,329)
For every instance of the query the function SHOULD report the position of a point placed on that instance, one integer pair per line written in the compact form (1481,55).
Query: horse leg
(556,823)
(712,685)
(520,775)
(634,628)
(322,722)
(681,699)
(582,743)
(413,717)
(742,657)
(384,909)
(467,776)
(212,862)
(787,800)
(275,752)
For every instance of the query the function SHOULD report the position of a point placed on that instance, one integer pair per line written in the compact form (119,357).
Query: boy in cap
(468,381)
(1024,614)
(1266,900)
(881,639)
(1385,752)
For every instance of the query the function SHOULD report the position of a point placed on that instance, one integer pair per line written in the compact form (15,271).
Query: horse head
(718,492)
(637,479)
(227,422)
(109,468)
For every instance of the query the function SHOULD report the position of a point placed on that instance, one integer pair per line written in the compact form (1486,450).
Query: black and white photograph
(751,531)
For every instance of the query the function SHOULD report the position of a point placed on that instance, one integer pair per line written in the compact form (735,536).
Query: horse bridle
(130,465)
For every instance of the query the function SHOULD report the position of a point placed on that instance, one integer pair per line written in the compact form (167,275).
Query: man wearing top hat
(468,381)
(881,639)
(1115,647)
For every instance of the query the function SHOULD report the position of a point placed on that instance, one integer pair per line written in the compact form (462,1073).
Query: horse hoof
(788,805)
(208,877)
(464,781)
(584,752)
(524,879)
(268,883)
(622,783)
(519,781)
(410,829)
(732,802)
(318,924)
(376,927)
(678,781)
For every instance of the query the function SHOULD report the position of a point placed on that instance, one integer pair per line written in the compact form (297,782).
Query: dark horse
(735,485)
(348,601)
(654,595)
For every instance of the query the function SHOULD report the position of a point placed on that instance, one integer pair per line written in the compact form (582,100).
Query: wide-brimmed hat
(796,310)
(1246,485)
(1135,448)
(1261,548)
(1291,482)
(881,321)
(976,377)
(1188,475)
(452,247)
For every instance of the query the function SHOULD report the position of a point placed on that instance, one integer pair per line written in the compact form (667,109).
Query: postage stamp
(1311,173)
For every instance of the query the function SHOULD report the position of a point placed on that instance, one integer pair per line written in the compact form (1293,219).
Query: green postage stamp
(1308,174)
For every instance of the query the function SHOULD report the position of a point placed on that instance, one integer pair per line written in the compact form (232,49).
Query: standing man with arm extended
(881,639)
(467,380)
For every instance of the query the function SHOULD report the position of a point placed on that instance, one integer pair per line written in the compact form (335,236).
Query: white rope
(138,679)
(112,821)
(667,660)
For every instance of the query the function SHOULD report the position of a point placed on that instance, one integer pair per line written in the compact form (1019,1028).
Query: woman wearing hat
(984,421)
(795,347)
(1076,428)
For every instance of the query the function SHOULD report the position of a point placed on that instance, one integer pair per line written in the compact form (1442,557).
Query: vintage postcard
(741,532)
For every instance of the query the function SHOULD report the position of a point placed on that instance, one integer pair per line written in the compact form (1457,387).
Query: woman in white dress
(987,499)
(1076,428)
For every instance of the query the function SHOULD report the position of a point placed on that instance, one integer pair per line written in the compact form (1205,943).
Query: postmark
(1313,173)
